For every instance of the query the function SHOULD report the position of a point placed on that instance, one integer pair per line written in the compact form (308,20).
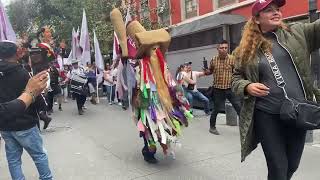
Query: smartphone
(205,63)
(38,61)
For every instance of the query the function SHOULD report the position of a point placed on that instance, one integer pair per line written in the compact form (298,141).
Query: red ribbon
(146,70)
(161,62)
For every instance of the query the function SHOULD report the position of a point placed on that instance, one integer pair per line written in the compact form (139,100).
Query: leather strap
(276,72)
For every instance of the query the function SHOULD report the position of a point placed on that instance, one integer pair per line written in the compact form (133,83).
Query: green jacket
(300,41)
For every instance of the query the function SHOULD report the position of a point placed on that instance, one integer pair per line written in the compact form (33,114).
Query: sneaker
(214,131)
(120,103)
(55,103)
(110,103)
(84,107)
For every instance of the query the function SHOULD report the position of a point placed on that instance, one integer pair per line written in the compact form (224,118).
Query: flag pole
(97,82)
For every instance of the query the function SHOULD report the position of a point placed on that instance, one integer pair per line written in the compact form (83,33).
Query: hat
(7,49)
(144,39)
(259,5)
(74,61)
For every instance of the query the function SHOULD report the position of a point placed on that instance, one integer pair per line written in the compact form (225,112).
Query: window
(145,13)
(164,12)
(198,39)
(191,8)
(222,3)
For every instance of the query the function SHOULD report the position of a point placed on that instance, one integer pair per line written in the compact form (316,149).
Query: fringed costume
(159,107)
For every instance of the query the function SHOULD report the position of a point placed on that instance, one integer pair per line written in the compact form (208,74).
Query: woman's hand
(37,83)
(257,89)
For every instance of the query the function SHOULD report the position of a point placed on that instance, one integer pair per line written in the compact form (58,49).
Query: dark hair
(7,49)
(223,42)
(179,69)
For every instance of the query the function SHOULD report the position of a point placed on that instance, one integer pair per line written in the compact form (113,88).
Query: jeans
(65,93)
(110,92)
(80,99)
(219,99)
(282,145)
(198,95)
(31,141)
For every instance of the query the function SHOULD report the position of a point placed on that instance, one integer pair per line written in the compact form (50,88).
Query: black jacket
(13,79)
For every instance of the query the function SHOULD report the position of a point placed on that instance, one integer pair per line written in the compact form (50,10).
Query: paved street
(104,144)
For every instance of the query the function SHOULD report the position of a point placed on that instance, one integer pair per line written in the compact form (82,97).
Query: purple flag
(6,30)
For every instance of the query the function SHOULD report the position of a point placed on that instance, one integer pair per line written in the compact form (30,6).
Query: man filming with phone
(221,67)
(20,130)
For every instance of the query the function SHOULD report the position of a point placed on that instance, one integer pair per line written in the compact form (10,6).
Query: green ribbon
(188,115)
(177,125)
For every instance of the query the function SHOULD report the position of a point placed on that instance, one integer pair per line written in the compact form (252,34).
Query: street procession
(159,89)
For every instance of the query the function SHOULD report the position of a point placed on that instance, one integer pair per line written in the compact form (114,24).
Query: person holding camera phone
(110,78)
(221,67)
(19,107)
(190,86)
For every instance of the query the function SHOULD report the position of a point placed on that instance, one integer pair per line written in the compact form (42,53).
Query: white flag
(97,53)
(73,44)
(77,43)
(128,17)
(116,48)
(85,41)
(6,30)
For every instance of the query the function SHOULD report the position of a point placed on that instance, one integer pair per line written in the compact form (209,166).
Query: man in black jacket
(19,131)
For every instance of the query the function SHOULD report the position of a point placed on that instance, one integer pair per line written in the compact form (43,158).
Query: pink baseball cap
(259,5)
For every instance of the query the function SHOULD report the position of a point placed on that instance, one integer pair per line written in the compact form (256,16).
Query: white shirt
(79,71)
(111,75)
(195,75)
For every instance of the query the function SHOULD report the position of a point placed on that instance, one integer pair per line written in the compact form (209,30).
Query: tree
(28,16)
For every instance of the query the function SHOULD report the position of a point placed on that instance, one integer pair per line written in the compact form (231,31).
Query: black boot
(93,98)
(80,111)
(149,156)
(45,118)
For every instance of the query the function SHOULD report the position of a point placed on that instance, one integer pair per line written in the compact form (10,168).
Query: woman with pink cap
(268,46)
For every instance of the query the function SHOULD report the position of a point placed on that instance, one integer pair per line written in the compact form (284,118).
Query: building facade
(196,26)
(174,12)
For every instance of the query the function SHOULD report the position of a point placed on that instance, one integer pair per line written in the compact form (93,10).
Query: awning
(205,23)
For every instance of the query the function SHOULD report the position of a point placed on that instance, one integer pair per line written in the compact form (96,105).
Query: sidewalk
(104,144)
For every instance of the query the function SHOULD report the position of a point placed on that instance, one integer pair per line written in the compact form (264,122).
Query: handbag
(302,114)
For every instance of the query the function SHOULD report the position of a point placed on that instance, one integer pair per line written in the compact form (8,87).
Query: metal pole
(97,82)
(314,56)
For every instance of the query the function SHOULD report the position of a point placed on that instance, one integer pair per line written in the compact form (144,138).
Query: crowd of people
(244,77)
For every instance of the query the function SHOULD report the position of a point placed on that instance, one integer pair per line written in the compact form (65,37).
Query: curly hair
(252,40)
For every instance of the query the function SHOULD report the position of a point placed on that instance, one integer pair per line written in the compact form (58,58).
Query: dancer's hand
(257,90)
